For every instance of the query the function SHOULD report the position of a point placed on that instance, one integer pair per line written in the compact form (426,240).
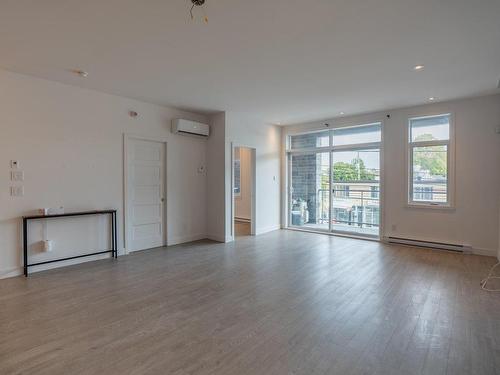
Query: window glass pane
(310,183)
(310,140)
(356,135)
(237,177)
(435,128)
(430,174)
(356,187)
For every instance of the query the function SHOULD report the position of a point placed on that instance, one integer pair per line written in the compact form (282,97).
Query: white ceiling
(285,60)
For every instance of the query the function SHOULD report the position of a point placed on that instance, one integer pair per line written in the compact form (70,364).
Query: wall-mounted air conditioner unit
(187,127)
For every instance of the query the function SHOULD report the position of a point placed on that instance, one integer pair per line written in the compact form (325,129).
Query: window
(357,134)
(341,191)
(334,179)
(346,136)
(237,177)
(423,193)
(429,156)
(310,140)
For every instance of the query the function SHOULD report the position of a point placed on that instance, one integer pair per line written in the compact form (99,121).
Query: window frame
(334,124)
(450,163)
(237,194)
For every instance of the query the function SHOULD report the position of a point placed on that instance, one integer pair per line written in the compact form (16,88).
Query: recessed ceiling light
(81,73)
(342,113)
(431,99)
(418,68)
(279,123)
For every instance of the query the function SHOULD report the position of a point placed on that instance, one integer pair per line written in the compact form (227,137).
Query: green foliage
(430,158)
(344,172)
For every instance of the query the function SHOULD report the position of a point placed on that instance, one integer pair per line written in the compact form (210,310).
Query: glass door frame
(319,150)
(354,148)
(331,149)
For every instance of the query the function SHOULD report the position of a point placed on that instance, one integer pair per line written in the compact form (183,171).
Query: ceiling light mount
(418,68)
(198,3)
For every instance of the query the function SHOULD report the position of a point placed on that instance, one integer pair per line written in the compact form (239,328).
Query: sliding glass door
(334,180)
(356,191)
(310,192)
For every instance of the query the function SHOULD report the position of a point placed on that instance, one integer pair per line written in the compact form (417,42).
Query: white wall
(243,129)
(475,219)
(243,202)
(69,142)
(216,178)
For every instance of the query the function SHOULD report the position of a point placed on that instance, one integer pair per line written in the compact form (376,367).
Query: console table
(26,219)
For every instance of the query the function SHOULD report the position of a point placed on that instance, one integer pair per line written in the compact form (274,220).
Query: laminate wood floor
(281,303)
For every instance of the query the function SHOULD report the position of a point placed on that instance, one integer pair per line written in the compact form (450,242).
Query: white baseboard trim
(4,274)
(216,238)
(267,229)
(179,240)
(12,272)
(485,252)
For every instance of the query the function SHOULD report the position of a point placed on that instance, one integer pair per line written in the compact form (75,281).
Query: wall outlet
(17,191)
(14,164)
(17,176)
(394,227)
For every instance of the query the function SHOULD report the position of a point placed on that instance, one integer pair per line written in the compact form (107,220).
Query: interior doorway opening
(243,192)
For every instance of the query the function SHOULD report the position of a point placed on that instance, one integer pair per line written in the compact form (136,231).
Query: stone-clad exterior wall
(306,178)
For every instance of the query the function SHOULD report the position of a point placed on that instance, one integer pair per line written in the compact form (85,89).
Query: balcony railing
(359,207)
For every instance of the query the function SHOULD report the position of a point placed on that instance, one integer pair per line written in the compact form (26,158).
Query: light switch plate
(17,191)
(17,176)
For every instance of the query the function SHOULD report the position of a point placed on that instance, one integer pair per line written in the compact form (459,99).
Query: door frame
(253,195)
(127,138)
(287,191)
(380,191)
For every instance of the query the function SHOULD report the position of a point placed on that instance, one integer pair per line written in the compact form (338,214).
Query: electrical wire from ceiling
(198,3)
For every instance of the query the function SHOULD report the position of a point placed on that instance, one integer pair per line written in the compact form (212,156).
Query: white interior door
(145,194)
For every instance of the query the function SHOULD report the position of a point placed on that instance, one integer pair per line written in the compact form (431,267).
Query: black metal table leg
(115,245)
(25,246)
(116,235)
(111,233)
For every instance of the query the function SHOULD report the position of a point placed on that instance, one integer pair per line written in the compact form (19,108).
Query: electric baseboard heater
(466,249)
